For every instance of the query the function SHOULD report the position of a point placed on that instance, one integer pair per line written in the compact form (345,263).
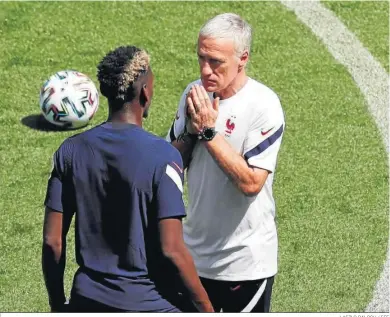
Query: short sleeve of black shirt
(61,157)
(169,192)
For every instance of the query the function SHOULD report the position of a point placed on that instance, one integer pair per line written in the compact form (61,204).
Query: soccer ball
(69,99)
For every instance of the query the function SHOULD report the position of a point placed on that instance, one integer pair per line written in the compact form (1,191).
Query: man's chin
(210,87)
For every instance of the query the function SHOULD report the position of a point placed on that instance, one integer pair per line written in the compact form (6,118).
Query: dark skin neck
(130,114)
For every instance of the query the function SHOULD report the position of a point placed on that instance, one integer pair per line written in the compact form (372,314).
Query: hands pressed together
(202,113)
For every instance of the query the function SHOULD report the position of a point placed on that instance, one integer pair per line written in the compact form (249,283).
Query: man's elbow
(250,190)
(52,243)
(173,252)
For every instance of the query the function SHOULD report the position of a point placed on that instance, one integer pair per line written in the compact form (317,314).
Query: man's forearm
(53,267)
(234,165)
(182,260)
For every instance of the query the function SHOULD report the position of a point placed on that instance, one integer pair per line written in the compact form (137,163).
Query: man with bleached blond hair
(124,186)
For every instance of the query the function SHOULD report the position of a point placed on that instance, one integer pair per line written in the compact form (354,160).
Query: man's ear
(243,59)
(144,96)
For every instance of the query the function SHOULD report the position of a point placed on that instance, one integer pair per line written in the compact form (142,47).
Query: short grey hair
(229,26)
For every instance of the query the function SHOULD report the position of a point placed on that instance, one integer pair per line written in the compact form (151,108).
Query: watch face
(208,133)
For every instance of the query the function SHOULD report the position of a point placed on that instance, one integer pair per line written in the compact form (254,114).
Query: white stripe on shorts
(255,298)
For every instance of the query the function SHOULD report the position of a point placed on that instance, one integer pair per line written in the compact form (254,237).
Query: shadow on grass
(38,122)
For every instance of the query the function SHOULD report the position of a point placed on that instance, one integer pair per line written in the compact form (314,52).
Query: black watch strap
(187,137)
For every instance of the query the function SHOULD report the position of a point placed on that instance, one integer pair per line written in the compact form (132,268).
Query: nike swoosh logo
(178,167)
(235,288)
(265,132)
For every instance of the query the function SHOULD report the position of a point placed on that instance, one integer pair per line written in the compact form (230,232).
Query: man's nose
(205,69)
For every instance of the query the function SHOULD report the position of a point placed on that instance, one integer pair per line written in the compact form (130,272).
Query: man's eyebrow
(219,59)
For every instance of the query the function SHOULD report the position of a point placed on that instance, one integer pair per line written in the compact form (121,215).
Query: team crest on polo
(230,125)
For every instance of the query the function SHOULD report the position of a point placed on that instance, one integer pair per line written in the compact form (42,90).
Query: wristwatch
(207,134)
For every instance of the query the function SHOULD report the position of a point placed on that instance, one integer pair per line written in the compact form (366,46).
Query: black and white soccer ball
(69,99)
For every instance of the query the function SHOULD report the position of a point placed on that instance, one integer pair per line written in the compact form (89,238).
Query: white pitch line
(372,80)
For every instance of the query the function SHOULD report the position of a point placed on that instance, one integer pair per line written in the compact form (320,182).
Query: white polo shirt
(233,237)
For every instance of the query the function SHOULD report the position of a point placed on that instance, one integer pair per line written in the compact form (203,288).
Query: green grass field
(369,20)
(331,185)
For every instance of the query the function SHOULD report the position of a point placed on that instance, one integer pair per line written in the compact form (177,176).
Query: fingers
(200,108)
(191,108)
(200,97)
(194,125)
(188,96)
(197,101)
(195,117)
(205,96)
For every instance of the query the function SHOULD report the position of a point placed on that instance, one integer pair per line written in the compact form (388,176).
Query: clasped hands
(201,112)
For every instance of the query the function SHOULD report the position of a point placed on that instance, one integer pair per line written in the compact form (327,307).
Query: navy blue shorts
(81,304)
